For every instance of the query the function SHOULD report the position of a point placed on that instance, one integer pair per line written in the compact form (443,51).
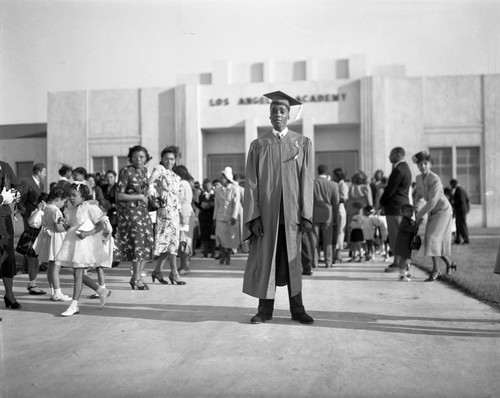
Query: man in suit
(461,206)
(30,192)
(325,215)
(395,195)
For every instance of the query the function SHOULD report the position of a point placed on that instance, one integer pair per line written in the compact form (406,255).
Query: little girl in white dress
(83,246)
(50,239)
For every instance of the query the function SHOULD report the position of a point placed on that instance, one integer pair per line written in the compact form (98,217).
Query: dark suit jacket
(30,192)
(461,201)
(398,187)
(326,201)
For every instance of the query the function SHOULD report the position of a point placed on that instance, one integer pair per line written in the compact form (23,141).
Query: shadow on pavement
(336,320)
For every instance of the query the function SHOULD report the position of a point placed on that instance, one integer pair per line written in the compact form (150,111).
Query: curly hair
(84,190)
(57,193)
(182,172)
(171,149)
(138,148)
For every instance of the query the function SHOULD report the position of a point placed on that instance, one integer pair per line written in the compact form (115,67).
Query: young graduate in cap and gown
(278,208)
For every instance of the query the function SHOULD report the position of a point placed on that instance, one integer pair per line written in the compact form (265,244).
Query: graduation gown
(276,169)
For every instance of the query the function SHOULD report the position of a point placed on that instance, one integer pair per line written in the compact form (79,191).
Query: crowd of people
(93,222)
(281,216)
(388,216)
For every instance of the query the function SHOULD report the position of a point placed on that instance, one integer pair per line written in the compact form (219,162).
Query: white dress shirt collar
(280,134)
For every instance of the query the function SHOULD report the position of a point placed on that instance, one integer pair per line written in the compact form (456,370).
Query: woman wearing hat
(226,210)
(439,212)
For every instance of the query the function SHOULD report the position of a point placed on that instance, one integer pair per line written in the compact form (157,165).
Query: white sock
(32,283)
(52,291)
(74,303)
(103,286)
(57,291)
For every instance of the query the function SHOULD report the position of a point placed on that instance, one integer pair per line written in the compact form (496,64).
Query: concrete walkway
(373,337)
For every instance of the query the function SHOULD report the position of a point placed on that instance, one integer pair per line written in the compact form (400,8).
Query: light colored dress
(187,212)
(88,252)
(49,240)
(438,209)
(226,206)
(167,186)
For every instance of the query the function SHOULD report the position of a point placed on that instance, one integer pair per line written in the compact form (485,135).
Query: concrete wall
(67,131)
(23,150)
(418,113)
(166,117)
(491,149)
(220,106)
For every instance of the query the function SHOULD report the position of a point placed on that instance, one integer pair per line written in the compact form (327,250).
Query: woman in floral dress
(135,231)
(168,188)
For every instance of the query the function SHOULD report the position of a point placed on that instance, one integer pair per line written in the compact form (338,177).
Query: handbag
(183,245)
(416,243)
(153,203)
(35,219)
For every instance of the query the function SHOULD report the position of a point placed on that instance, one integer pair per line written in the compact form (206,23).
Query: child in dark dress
(407,231)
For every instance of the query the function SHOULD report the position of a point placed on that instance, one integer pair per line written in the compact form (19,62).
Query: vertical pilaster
(491,148)
(251,133)
(188,134)
(366,128)
(308,131)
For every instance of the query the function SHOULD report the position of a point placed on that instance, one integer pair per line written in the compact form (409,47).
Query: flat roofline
(23,130)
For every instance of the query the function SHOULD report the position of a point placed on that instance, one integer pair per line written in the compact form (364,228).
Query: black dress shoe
(35,291)
(308,273)
(260,318)
(392,268)
(303,318)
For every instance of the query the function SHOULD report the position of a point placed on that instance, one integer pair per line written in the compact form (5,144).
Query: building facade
(353,118)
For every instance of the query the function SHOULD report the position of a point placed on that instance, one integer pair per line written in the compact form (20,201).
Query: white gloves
(8,196)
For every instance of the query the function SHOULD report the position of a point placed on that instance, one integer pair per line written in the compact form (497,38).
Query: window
(348,160)
(461,163)
(467,173)
(122,162)
(217,163)
(102,164)
(24,170)
(442,162)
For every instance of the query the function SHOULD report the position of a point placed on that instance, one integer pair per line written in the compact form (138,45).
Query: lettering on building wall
(264,101)
(219,102)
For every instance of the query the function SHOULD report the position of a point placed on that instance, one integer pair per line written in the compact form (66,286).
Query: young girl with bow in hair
(83,248)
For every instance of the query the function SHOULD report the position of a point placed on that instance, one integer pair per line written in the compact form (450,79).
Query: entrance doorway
(348,160)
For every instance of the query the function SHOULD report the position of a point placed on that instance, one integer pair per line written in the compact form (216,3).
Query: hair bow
(78,183)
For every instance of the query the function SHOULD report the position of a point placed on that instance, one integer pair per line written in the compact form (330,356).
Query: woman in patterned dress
(168,188)
(134,238)
(439,215)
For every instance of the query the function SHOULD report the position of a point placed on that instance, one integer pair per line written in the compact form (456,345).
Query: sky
(61,45)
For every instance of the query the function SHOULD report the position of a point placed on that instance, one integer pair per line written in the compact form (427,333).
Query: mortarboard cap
(278,97)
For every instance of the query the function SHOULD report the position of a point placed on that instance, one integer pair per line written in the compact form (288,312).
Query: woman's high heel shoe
(141,285)
(433,276)
(175,281)
(452,266)
(11,304)
(132,284)
(159,277)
